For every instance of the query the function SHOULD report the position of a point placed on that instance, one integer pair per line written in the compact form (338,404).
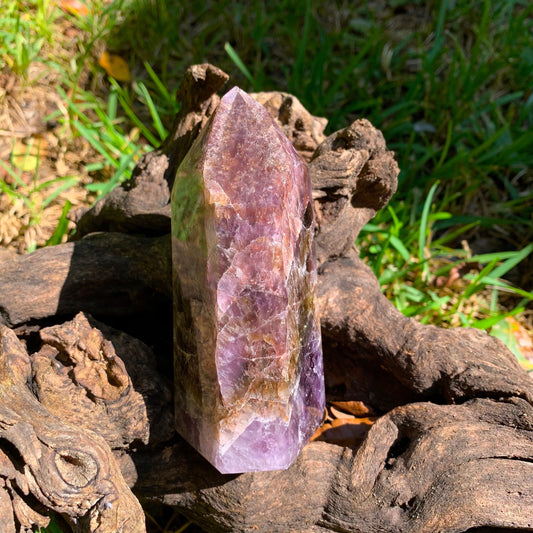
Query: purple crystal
(248,361)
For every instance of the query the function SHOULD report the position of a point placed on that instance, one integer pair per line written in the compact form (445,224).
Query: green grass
(452,93)
(450,84)
(24,28)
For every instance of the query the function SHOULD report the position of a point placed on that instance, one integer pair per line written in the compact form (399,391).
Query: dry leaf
(75,7)
(115,66)
(354,408)
(337,413)
(25,156)
(344,431)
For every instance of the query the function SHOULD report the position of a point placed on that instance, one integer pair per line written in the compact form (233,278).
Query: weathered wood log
(441,365)
(422,467)
(452,451)
(49,461)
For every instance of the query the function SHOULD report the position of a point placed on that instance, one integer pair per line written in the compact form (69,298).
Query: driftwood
(85,355)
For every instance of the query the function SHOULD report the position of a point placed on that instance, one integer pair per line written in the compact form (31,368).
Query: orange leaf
(337,413)
(115,66)
(75,7)
(355,408)
(344,431)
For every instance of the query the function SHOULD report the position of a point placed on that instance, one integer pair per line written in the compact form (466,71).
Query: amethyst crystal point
(248,361)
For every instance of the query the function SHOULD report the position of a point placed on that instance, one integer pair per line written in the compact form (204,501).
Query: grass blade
(238,62)
(423,230)
(510,263)
(153,112)
(61,228)
(67,184)
(158,83)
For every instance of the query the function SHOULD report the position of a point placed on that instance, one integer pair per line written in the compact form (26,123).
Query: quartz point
(249,378)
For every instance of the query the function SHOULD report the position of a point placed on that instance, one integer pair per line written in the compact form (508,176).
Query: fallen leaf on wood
(337,413)
(115,66)
(344,431)
(354,408)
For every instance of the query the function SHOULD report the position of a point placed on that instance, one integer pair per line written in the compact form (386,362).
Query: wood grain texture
(423,467)
(65,468)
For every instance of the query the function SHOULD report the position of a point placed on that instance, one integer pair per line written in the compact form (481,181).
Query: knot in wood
(76,468)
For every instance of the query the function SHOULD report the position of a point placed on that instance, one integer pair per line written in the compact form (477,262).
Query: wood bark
(85,355)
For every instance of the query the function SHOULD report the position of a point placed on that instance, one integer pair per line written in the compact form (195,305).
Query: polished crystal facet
(248,361)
